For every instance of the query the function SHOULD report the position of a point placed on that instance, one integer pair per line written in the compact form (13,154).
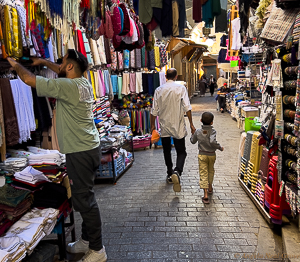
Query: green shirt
(76,130)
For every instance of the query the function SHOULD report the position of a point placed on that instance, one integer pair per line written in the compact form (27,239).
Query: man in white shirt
(170,102)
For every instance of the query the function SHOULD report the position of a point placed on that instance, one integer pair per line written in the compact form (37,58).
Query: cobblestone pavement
(145,220)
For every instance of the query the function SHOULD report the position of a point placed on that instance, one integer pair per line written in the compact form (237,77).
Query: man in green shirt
(78,138)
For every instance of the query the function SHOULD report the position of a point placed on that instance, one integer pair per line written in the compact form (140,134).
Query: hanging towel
(150,84)
(126,59)
(100,46)
(101,84)
(107,51)
(96,79)
(143,56)
(108,85)
(132,80)
(125,85)
(151,60)
(138,61)
(120,61)
(162,78)
(120,84)
(139,83)
(87,49)
(132,59)
(155,80)
(95,53)
(145,83)
(81,48)
(114,82)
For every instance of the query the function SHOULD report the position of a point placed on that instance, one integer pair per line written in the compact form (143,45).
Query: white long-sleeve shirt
(170,102)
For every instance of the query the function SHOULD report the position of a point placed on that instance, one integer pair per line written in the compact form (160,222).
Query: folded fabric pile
(108,142)
(14,164)
(101,107)
(33,226)
(13,203)
(31,176)
(46,217)
(12,249)
(45,157)
(19,153)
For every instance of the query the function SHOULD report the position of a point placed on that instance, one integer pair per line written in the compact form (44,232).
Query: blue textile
(114,82)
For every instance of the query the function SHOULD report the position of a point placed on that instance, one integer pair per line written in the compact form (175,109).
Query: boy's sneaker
(176,180)
(79,246)
(95,256)
(169,179)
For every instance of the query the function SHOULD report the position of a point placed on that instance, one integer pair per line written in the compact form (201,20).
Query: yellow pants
(206,170)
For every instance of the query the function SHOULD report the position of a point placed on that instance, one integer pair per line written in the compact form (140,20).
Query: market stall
(265,104)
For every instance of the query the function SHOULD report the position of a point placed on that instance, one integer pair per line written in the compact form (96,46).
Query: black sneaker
(176,180)
(169,179)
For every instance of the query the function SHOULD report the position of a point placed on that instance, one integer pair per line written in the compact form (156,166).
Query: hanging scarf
(4,54)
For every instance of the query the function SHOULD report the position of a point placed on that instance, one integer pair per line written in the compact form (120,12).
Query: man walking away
(170,102)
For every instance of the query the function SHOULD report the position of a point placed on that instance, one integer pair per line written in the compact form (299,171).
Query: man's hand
(36,61)
(193,129)
(12,62)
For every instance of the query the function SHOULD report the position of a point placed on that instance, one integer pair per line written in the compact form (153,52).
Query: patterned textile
(13,41)
(157,56)
(296,30)
(22,19)
(163,55)
(138,58)
(279,24)
(143,56)
(126,59)
(120,61)
(151,62)
(132,59)
(113,54)
(297,115)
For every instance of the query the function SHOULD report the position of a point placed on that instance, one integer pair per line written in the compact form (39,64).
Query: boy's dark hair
(207,118)
(171,74)
(79,59)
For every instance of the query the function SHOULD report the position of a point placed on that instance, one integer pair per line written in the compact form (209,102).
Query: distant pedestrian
(202,86)
(207,145)
(212,84)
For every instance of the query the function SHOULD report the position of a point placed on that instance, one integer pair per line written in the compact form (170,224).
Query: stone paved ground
(144,220)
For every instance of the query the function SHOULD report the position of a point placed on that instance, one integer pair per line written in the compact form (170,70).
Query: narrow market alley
(145,220)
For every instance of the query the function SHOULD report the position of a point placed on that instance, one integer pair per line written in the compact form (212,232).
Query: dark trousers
(81,168)
(222,101)
(181,154)
(212,89)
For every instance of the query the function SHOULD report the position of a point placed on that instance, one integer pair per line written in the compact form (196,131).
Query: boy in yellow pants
(207,145)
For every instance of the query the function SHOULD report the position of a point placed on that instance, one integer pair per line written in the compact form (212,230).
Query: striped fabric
(296,30)
(279,24)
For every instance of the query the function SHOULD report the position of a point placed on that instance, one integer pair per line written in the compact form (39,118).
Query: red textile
(81,48)
(197,10)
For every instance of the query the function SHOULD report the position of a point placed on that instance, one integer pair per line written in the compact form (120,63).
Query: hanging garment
(87,49)
(207,12)
(107,51)
(197,11)
(92,81)
(114,60)
(132,80)
(114,82)
(139,83)
(150,84)
(175,17)
(126,59)
(13,42)
(182,17)
(146,9)
(81,48)
(22,21)
(9,112)
(132,59)
(3,54)
(120,61)
(236,37)
(2,131)
(221,20)
(101,84)
(167,19)
(94,51)
(108,85)
(120,85)
(145,83)
(138,58)
(151,60)
(125,85)
(157,56)
(101,50)
(143,56)
(96,80)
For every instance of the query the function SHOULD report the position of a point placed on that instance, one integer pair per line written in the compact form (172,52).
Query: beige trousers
(206,170)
